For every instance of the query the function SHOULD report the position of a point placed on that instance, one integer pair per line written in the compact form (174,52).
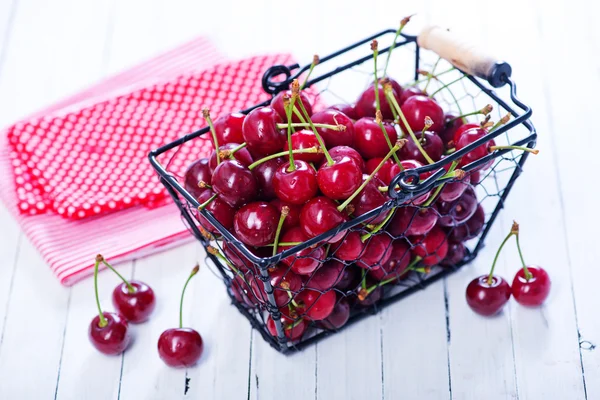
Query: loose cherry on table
(331,137)
(108,332)
(255,224)
(181,347)
(197,172)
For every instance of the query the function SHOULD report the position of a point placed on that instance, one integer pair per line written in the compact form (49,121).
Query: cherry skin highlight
(340,180)
(305,139)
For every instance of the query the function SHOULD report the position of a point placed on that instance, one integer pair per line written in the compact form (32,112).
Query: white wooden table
(428,346)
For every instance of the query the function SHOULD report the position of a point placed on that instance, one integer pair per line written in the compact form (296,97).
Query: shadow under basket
(287,307)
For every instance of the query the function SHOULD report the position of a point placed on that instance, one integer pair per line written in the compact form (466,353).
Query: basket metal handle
(465,55)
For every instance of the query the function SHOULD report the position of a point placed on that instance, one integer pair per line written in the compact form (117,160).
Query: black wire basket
(392,261)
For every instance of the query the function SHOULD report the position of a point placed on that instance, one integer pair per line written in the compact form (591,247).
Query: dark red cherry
(412,221)
(534,291)
(242,155)
(326,277)
(396,264)
(113,338)
(261,132)
(242,292)
(453,190)
(370,141)
(416,108)
(180,347)
(293,217)
(316,305)
(469,136)
(458,211)
(460,130)
(368,199)
(373,297)
(320,215)
(349,248)
(305,139)
(412,164)
(196,172)
(236,257)
(431,144)
(451,125)
(222,212)
(332,137)
(367,103)
(432,248)
(339,316)
(284,283)
(410,91)
(384,173)
(378,251)
(263,173)
(456,253)
(234,183)
(342,151)
(306,261)
(293,330)
(277,104)
(136,307)
(347,109)
(229,128)
(350,278)
(339,180)
(255,223)
(487,299)
(297,186)
(470,229)
(475,177)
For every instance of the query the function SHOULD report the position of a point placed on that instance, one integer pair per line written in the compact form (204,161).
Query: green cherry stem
(451,170)
(364,292)
(223,154)
(285,210)
(379,120)
(502,121)
(281,154)
(206,115)
(447,85)
(515,230)
(289,105)
(523,148)
(207,202)
(194,272)
(287,244)
(310,70)
(428,75)
(375,49)
(307,125)
(432,74)
(490,278)
(484,111)
(403,23)
(377,227)
(130,288)
(204,185)
(102,322)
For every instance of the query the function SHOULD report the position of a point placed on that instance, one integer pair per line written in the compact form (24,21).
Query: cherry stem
(102,323)
(312,126)
(307,125)
(310,70)
(130,288)
(446,85)
(288,113)
(528,275)
(431,75)
(410,267)
(450,151)
(207,202)
(206,115)
(204,185)
(281,154)
(285,244)
(484,111)
(194,272)
(376,87)
(236,149)
(379,120)
(523,148)
(440,187)
(502,121)
(490,278)
(377,227)
(285,210)
(292,301)
(403,23)
(366,181)
(298,114)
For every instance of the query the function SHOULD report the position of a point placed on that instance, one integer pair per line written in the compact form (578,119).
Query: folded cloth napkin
(77,162)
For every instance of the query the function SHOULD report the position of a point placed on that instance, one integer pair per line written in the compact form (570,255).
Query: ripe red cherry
(297,186)
(374,297)
(234,183)
(316,305)
(319,215)
(469,136)
(242,292)
(347,109)
(430,142)
(261,132)
(332,137)
(458,211)
(458,133)
(396,265)
(263,173)
(384,173)
(368,199)
(222,212)
(432,248)
(229,128)
(136,307)
(349,248)
(293,217)
(487,299)
(475,177)
(367,103)
(305,139)
(341,151)
(416,108)
(451,125)
(338,317)
(351,276)
(412,221)
(277,104)
(306,261)
(293,330)
(242,155)
(469,229)
(113,338)
(456,253)
(410,91)
(255,223)
(534,291)
(282,281)
(378,251)
(326,277)
(196,172)
(369,139)
(453,190)
(180,347)
(339,180)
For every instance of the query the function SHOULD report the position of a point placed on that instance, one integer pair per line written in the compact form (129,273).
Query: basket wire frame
(351,64)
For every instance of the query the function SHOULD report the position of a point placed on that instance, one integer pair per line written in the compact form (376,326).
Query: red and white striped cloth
(69,242)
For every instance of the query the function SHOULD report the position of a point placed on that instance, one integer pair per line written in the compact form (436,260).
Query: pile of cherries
(135,301)
(286,173)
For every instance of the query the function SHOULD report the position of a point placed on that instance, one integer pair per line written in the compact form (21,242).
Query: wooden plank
(10,241)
